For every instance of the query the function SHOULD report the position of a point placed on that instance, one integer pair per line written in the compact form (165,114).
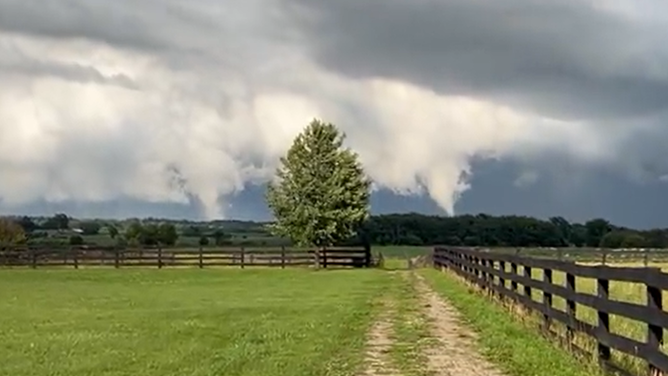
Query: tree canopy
(321,193)
(11,232)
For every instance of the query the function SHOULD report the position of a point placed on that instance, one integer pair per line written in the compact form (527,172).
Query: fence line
(594,255)
(488,270)
(202,257)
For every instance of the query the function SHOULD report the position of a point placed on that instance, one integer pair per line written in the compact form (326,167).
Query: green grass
(515,346)
(410,329)
(401,251)
(185,322)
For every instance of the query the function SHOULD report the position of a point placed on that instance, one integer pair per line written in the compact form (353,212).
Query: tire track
(453,352)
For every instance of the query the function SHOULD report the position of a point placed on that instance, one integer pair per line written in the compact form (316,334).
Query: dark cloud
(564,59)
(570,94)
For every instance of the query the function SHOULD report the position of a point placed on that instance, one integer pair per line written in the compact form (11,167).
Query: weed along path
(452,351)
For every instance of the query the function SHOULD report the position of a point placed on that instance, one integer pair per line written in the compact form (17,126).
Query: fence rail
(202,257)
(589,255)
(489,271)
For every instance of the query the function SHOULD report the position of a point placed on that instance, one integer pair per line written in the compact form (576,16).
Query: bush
(76,240)
(203,241)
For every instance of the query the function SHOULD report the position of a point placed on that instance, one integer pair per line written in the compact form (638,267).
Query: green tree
(134,232)
(11,233)
(113,231)
(27,224)
(613,239)
(166,234)
(321,194)
(221,238)
(76,240)
(59,222)
(634,240)
(203,241)
(90,228)
(596,230)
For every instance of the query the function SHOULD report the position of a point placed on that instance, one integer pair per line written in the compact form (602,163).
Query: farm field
(185,322)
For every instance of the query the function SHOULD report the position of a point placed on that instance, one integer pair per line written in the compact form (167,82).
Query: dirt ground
(451,350)
(379,342)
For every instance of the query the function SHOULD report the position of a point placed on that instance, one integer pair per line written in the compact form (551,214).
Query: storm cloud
(189,102)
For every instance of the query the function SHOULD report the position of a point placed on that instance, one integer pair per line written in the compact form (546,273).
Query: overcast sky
(543,107)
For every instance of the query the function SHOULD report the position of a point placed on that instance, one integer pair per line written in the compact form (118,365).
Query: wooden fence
(202,257)
(590,255)
(489,271)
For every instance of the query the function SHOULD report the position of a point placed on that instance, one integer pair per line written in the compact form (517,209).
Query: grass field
(185,322)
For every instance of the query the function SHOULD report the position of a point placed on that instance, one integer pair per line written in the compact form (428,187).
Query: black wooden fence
(489,271)
(201,258)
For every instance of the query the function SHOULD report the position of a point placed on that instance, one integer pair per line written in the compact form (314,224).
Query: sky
(183,108)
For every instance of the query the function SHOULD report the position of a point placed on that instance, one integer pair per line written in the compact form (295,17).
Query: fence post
(33,258)
(547,300)
(324,258)
(513,269)
(76,259)
(527,289)
(483,273)
(603,292)
(243,257)
(502,268)
(654,332)
(367,255)
(476,270)
(646,257)
(159,257)
(604,256)
(282,257)
(116,258)
(570,308)
(201,258)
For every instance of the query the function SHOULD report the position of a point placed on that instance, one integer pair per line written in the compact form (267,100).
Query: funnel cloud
(188,103)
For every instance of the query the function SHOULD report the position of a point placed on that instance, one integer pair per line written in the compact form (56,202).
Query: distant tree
(11,233)
(113,231)
(564,227)
(76,240)
(134,232)
(203,241)
(59,222)
(613,239)
(149,235)
(220,237)
(578,236)
(191,231)
(27,224)
(167,234)
(321,194)
(596,230)
(634,240)
(90,228)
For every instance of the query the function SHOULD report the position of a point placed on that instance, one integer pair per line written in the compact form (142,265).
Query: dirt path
(453,353)
(379,342)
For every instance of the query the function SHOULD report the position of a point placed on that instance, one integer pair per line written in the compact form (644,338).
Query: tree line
(503,231)
(402,229)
